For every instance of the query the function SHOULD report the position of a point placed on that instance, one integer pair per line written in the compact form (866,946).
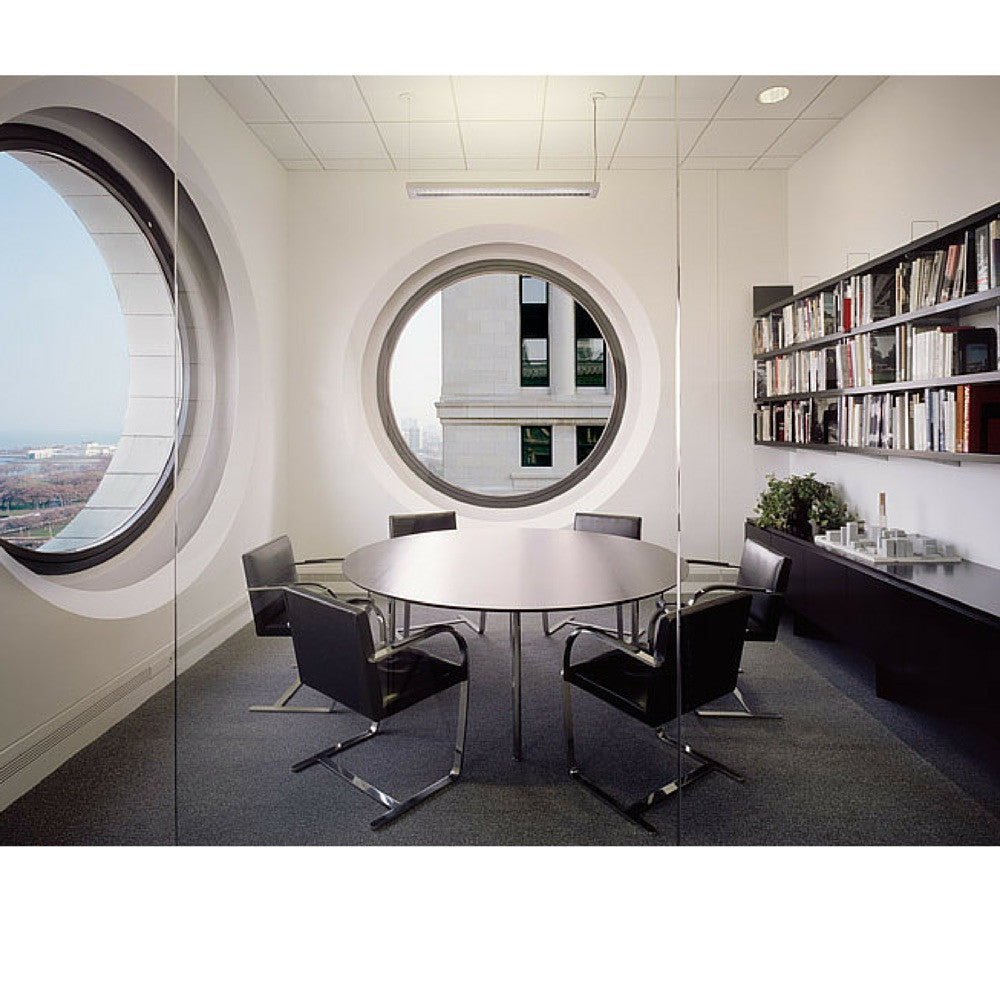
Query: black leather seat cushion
(412,675)
(618,679)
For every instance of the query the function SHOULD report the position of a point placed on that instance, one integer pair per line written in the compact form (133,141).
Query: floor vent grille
(73,725)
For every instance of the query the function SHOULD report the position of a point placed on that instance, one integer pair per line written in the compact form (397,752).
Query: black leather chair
(414,524)
(763,574)
(644,684)
(625,525)
(270,568)
(336,656)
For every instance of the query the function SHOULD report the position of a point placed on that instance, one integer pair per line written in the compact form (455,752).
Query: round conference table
(514,570)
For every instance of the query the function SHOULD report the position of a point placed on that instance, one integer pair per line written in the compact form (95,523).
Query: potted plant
(800,505)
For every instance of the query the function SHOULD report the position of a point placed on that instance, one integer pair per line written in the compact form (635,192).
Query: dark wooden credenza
(931,631)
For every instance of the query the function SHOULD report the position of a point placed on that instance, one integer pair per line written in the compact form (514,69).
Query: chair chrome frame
(633,811)
(281,703)
(401,525)
(394,807)
(635,632)
(744,712)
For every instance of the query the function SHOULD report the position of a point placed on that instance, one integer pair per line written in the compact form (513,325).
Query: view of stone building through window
(499,383)
(87,384)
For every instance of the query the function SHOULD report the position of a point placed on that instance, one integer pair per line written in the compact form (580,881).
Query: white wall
(919,153)
(81,651)
(354,238)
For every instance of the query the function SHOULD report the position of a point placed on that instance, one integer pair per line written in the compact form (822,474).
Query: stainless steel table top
(514,569)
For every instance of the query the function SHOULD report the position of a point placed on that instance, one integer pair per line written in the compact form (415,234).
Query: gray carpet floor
(840,768)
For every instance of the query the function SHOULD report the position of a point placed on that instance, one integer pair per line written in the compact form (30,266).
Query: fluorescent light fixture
(517,189)
(771,95)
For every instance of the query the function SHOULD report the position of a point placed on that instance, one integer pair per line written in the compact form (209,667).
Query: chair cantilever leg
(281,705)
(619,630)
(744,712)
(394,807)
(633,811)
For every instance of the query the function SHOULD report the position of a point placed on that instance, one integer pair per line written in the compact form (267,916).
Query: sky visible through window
(64,372)
(415,373)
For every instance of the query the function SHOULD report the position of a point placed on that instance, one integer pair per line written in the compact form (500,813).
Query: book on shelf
(975,350)
(881,357)
(994,253)
(980,417)
(983,255)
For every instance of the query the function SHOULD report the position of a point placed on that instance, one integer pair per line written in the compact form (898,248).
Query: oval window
(501,383)
(90,385)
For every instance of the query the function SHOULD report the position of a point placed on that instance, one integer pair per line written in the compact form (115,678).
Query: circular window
(501,383)
(91,384)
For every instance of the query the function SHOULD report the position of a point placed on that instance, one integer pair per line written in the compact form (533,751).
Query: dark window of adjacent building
(536,446)
(591,357)
(534,293)
(586,438)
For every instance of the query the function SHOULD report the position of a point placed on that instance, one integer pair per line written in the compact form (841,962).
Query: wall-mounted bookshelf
(897,357)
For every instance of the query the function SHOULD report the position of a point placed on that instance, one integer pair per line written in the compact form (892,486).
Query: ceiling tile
(654,109)
(431,98)
(299,165)
(422,139)
(742,101)
(248,97)
(283,141)
(501,139)
(583,165)
(842,96)
(493,98)
(774,162)
(656,138)
(357,163)
(800,136)
(738,138)
(502,163)
(717,163)
(430,163)
(701,96)
(318,98)
(657,87)
(561,138)
(569,97)
(332,140)
(644,163)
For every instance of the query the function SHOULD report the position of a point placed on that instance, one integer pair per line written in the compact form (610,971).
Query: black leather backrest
(762,567)
(270,564)
(413,524)
(609,524)
(712,635)
(333,643)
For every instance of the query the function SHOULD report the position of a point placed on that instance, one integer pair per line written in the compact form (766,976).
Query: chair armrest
(325,559)
(710,562)
(634,651)
(741,587)
(369,605)
(391,650)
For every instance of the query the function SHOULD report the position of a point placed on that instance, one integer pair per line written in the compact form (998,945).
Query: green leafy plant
(800,505)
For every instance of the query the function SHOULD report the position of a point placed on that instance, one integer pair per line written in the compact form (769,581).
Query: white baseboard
(35,756)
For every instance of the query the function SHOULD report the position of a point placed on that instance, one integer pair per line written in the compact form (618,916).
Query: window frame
(487,265)
(528,314)
(587,335)
(587,427)
(546,429)
(18,137)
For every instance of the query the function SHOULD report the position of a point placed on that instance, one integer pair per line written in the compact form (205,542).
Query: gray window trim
(492,265)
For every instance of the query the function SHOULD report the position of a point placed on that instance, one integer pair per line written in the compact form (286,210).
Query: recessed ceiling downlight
(771,95)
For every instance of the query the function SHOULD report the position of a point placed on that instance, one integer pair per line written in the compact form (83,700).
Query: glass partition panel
(87,423)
